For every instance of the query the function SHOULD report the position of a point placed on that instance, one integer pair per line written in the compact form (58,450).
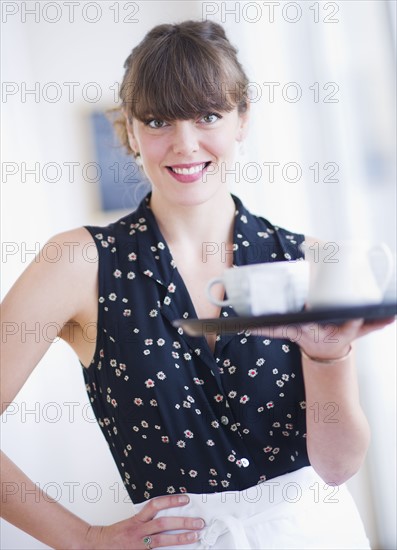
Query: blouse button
(224,420)
(245,462)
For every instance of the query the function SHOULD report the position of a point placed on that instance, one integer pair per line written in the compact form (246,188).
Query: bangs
(181,80)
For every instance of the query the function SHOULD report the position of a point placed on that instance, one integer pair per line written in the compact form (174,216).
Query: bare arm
(46,293)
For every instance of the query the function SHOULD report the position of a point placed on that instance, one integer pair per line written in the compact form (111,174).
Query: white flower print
(213,472)
(160,342)
(131,275)
(187,356)
(275,371)
(132,257)
(270,405)
(148,273)
(218,398)
(127,313)
(188,434)
(153,403)
(165,439)
(224,483)
(113,363)
(285,348)
(176,345)
(232,394)
(161,465)
(231,370)
(170,489)
(215,424)
(153,313)
(244,399)
(147,459)
(210,442)
(231,458)
(287,256)
(213,482)
(149,383)
(171,287)
(167,301)
(181,444)
(148,342)
(260,362)
(138,401)
(117,273)
(193,473)
(280,383)
(112,296)
(252,372)
(146,352)
(161,245)
(161,376)
(198,381)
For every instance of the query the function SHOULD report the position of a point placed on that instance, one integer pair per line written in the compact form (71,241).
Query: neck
(197,228)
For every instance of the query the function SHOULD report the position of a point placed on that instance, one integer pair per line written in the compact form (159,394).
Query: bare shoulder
(59,286)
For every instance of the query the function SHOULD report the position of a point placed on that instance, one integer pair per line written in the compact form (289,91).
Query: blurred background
(320,159)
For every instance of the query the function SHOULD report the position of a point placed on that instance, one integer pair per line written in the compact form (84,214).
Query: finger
(161,540)
(371,326)
(177,523)
(156,504)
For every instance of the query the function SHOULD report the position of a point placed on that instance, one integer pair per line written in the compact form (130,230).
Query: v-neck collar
(156,261)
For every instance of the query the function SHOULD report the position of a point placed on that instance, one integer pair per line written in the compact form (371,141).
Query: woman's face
(187,160)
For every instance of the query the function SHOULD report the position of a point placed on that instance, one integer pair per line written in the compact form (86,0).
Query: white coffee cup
(349,273)
(266,288)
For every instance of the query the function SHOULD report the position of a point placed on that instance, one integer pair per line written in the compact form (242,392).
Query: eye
(210,118)
(155,123)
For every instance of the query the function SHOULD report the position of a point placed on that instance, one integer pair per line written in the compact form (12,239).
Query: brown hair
(179,71)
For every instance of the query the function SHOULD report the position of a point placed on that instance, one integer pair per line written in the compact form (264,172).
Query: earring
(138,159)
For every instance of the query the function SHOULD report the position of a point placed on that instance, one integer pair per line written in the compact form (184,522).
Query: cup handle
(211,283)
(389,260)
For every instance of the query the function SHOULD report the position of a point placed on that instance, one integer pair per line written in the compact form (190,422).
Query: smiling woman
(221,424)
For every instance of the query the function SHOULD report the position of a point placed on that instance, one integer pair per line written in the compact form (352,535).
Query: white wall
(354,53)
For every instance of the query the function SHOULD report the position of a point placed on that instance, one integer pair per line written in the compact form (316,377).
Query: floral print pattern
(177,417)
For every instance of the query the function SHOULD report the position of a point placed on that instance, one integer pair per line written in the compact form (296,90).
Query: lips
(188,173)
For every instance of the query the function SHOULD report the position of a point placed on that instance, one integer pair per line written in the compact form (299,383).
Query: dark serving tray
(337,315)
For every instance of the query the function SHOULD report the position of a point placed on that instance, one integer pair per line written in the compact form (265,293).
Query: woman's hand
(325,341)
(130,533)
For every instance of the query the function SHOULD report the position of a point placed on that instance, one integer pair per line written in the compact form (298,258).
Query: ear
(243,124)
(130,132)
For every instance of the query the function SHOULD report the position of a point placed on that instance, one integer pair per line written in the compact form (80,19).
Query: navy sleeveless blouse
(177,417)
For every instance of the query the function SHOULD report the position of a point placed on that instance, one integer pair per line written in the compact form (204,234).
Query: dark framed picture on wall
(122,184)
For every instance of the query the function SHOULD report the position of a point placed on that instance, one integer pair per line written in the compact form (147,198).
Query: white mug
(258,289)
(350,276)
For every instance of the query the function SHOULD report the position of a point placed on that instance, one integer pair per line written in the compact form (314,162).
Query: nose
(185,138)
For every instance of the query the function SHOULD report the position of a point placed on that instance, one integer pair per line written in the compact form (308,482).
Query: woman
(211,434)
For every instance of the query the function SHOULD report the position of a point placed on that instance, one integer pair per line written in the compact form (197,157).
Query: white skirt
(293,511)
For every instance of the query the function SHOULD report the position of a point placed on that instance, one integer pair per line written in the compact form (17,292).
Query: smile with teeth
(192,170)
